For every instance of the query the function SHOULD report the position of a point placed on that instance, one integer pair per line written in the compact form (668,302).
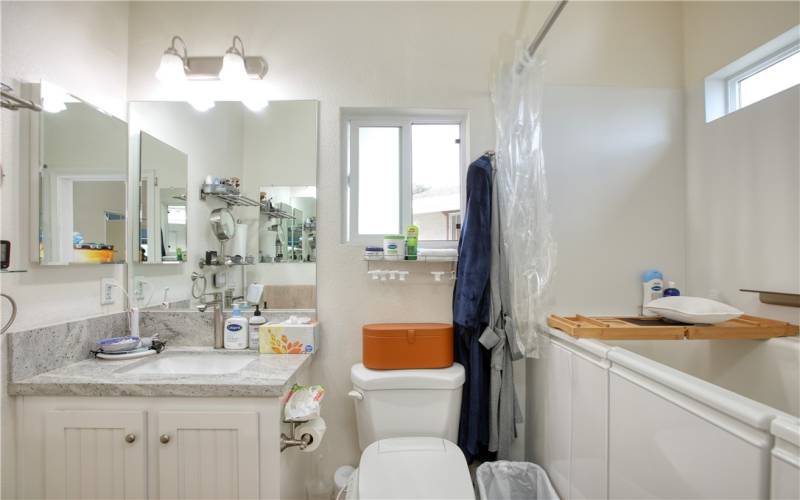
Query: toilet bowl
(407,422)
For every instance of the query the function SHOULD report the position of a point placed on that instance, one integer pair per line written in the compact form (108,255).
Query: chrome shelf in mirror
(233,200)
(202,264)
(240,200)
(275,213)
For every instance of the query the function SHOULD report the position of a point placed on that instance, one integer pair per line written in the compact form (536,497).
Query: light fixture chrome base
(208,68)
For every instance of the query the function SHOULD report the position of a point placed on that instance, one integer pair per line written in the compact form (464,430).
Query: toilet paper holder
(290,441)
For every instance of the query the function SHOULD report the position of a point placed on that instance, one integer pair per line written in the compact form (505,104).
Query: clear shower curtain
(525,219)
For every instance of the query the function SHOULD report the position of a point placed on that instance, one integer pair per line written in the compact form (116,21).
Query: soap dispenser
(255,323)
(236,331)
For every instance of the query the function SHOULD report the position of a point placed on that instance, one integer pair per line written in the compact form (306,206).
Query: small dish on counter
(139,352)
(118,344)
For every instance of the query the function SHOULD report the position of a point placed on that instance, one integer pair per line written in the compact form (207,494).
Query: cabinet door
(95,454)
(208,454)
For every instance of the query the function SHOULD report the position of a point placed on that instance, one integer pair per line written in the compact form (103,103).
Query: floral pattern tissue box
(281,338)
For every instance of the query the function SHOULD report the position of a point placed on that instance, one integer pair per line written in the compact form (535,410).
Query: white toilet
(407,424)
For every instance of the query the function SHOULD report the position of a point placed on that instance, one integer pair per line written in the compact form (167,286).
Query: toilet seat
(413,468)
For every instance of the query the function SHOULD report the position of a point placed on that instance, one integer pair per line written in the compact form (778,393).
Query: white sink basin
(190,364)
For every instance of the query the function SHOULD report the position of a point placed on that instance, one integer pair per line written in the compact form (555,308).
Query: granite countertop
(267,375)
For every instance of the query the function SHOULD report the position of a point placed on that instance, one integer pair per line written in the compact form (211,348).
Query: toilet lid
(414,467)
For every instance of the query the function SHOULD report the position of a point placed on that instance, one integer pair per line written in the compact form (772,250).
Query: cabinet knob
(164,438)
(130,438)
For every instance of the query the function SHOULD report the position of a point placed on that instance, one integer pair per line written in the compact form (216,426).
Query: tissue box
(279,338)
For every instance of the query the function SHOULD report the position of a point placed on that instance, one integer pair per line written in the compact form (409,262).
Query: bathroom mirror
(82,181)
(163,220)
(272,155)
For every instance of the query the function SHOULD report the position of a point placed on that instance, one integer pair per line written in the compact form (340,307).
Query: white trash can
(504,480)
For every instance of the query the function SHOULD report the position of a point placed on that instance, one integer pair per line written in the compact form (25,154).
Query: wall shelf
(655,328)
(420,259)
(776,298)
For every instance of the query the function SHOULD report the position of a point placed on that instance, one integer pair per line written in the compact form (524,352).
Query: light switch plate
(138,287)
(106,291)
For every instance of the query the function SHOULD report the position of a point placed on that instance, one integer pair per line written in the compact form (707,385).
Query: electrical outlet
(106,291)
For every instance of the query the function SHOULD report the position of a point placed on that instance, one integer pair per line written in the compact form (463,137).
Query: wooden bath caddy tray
(655,328)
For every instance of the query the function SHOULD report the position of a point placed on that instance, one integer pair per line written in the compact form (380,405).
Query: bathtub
(667,419)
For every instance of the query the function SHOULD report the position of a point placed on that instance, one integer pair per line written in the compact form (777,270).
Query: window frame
(732,82)
(354,118)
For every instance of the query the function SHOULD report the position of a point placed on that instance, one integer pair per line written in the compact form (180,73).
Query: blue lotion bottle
(671,291)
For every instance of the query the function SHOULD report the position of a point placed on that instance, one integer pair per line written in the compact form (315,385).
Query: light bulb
(233,70)
(171,69)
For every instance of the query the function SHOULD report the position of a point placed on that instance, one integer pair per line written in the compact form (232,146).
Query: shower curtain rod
(548,23)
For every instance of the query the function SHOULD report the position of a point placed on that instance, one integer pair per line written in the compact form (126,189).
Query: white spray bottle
(652,289)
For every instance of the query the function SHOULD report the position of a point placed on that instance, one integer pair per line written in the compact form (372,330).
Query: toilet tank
(406,403)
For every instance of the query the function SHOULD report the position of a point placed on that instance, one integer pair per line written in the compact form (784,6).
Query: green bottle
(412,235)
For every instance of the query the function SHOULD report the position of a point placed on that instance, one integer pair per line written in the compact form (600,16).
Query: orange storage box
(401,346)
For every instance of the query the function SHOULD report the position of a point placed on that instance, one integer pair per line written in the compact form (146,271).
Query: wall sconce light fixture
(241,73)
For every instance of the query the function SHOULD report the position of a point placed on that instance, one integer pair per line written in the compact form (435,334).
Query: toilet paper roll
(240,241)
(315,428)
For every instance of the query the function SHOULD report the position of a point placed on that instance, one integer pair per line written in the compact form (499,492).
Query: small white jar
(394,247)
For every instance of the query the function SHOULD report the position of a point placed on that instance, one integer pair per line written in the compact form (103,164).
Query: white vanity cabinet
(95,454)
(155,447)
(207,454)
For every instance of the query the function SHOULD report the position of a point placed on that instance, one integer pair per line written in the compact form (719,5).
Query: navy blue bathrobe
(471,308)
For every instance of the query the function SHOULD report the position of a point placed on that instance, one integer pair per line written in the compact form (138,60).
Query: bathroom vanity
(187,423)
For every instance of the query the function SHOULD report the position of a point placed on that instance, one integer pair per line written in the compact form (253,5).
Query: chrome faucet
(219,323)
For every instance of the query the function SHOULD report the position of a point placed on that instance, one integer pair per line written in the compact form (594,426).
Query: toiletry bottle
(255,323)
(671,291)
(236,331)
(412,236)
(652,289)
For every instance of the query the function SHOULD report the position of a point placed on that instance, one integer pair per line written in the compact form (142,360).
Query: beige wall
(743,170)
(63,43)
(717,33)
(81,39)
(634,44)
